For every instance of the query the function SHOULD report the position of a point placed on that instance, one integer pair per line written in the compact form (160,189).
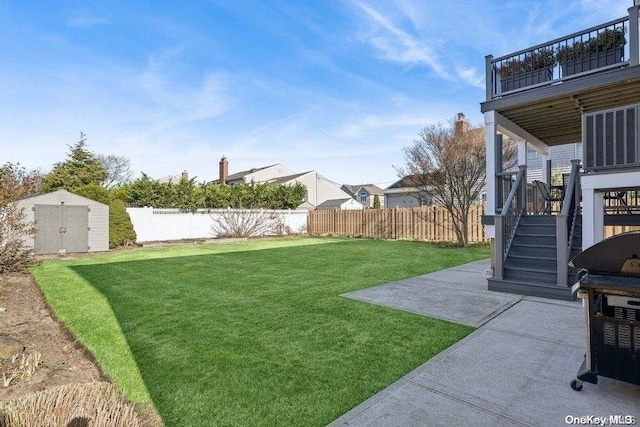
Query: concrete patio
(515,369)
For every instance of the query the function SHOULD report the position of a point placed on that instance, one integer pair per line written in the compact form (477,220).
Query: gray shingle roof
(332,204)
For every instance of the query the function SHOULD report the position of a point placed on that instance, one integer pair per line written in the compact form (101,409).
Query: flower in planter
(537,59)
(606,40)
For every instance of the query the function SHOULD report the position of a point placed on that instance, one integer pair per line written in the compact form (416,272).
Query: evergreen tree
(121,232)
(376,202)
(81,168)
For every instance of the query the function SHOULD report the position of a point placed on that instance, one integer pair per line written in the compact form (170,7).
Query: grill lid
(617,255)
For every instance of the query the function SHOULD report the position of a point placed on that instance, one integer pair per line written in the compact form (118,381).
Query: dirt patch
(25,316)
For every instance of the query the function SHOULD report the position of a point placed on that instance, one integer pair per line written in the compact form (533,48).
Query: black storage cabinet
(610,290)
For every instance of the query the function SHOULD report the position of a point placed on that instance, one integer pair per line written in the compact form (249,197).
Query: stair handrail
(566,220)
(507,220)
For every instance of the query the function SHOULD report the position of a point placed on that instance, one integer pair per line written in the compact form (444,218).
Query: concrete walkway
(515,369)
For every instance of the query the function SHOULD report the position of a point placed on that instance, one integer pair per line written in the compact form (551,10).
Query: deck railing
(566,220)
(610,45)
(507,220)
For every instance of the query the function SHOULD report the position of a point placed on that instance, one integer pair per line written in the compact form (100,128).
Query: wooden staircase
(531,263)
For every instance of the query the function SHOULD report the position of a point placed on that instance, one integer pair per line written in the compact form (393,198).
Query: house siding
(327,190)
(560,155)
(267,174)
(401,201)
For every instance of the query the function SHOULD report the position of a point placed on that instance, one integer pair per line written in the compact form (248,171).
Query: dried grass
(97,404)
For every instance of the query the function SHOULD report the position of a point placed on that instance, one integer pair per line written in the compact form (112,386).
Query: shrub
(246,223)
(15,253)
(121,232)
(604,41)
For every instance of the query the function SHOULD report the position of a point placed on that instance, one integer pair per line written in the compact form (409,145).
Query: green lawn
(251,333)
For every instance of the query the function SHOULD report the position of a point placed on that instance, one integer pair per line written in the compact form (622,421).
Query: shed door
(48,238)
(61,227)
(76,223)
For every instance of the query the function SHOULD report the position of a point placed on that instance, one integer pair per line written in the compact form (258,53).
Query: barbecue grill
(610,289)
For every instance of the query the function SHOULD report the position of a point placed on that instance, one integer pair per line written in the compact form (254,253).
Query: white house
(365,194)
(319,188)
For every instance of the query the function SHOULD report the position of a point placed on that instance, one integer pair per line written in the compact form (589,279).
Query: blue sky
(336,86)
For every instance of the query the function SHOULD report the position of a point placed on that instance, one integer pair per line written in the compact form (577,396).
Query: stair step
(533,251)
(543,265)
(527,276)
(534,289)
(520,239)
(538,219)
(538,229)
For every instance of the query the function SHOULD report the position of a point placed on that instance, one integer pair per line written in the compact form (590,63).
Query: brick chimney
(224,170)
(461,124)
(185,175)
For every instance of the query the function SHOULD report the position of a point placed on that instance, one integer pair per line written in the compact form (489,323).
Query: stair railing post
(522,200)
(561,250)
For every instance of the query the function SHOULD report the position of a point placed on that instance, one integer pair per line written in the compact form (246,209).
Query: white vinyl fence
(153,225)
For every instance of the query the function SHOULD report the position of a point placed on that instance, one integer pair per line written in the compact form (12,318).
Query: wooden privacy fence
(429,223)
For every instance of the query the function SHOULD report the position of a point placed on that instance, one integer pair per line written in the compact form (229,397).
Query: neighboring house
(560,157)
(340,204)
(558,94)
(401,194)
(365,194)
(173,179)
(319,188)
(257,175)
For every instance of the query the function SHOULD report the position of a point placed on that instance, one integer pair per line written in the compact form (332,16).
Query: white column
(491,147)
(592,217)
(544,158)
(522,152)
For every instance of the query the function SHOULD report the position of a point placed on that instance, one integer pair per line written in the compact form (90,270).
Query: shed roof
(60,194)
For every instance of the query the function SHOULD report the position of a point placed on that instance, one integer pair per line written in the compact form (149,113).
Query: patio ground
(515,369)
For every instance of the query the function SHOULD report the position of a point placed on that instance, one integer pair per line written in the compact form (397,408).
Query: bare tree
(447,164)
(247,223)
(118,170)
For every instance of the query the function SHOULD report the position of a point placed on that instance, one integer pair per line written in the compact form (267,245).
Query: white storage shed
(67,223)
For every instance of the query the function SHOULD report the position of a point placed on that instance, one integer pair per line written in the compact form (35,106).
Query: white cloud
(472,77)
(396,44)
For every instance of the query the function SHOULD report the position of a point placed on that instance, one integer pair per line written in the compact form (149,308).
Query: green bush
(121,232)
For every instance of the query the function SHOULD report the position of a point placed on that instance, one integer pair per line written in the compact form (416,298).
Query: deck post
(488,77)
(492,145)
(498,271)
(634,34)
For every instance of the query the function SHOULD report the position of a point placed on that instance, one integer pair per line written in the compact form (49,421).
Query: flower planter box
(592,62)
(525,79)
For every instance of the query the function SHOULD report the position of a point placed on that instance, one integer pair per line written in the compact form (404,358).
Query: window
(363,197)
(531,154)
(578,152)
